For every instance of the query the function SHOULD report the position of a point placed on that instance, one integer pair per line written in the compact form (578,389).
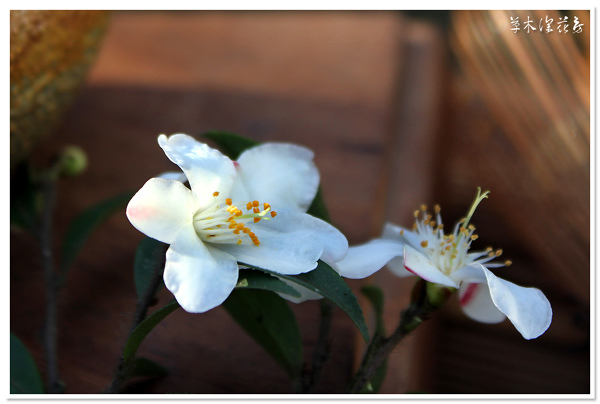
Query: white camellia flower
(445,259)
(250,211)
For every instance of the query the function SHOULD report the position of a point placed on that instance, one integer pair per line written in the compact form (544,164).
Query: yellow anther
(256,210)
(238,212)
(424,243)
(414,226)
(252,235)
(488,249)
(228,201)
(256,242)
(498,253)
(256,219)
(437,209)
(426,222)
(432,223)
(236,231)
(215,194)
(239,241)
(273,213)
(249,206)
(474,237)
(246,230)
(266,205)
(233,224)
(448,247)
(255,203)
(462,220)
(471,227)
(416,213)
(240,226)
(402,232)
(508,263)
(491,254)
(423,208)
(453,256)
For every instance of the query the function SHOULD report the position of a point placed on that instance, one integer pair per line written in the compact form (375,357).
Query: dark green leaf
(83,226)
(230,144)
(317,208)
(250,279)
(148,266)
(143,367)
(329,284)
(270,321)
(24,375)
(142,330)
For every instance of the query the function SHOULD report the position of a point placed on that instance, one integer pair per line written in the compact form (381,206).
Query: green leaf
(83,226)
(143,329)
(24,375)
(270,321)
(148,266)
(251,279)
(231,145)
(329,284)
(143,367)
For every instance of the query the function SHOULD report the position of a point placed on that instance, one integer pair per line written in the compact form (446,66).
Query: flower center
(223,222)
(451,252)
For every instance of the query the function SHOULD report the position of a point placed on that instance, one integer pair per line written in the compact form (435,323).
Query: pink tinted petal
(161,208)
(201,278)
(419,265)
(366,259)
(527,308)
(477,303)
(206,169)
(282,174)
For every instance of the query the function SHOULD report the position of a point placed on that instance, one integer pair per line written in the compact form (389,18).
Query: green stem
(51,284)
(379,348)
(141,311)
(322,349)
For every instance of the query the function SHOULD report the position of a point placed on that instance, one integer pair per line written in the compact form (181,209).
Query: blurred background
(401,108)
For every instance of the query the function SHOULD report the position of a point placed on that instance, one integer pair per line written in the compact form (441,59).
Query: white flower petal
(527,308)
(161,208)
(419,265)
(173,175)
(206,169)
(366,259)
(200,277)
(477,303)
(288,248)
(334,243)
(282,174)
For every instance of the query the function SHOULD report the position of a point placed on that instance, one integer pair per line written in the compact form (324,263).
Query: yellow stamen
(273,214)
(255,203)
(228,201)
(424,243)
(508,263)
(215,194)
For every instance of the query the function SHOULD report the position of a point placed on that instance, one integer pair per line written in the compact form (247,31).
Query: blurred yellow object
(50,52)
(536,87)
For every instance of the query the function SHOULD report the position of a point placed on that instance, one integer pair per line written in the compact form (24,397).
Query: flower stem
(322,349)
(141,311)
(51,283)
(380,347)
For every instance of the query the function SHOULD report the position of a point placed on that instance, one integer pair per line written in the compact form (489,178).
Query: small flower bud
(71,161)
(438,295)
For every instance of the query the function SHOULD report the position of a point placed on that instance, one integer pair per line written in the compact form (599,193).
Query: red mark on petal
(469,294)
(410,270)
(236,164)
(139,212)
